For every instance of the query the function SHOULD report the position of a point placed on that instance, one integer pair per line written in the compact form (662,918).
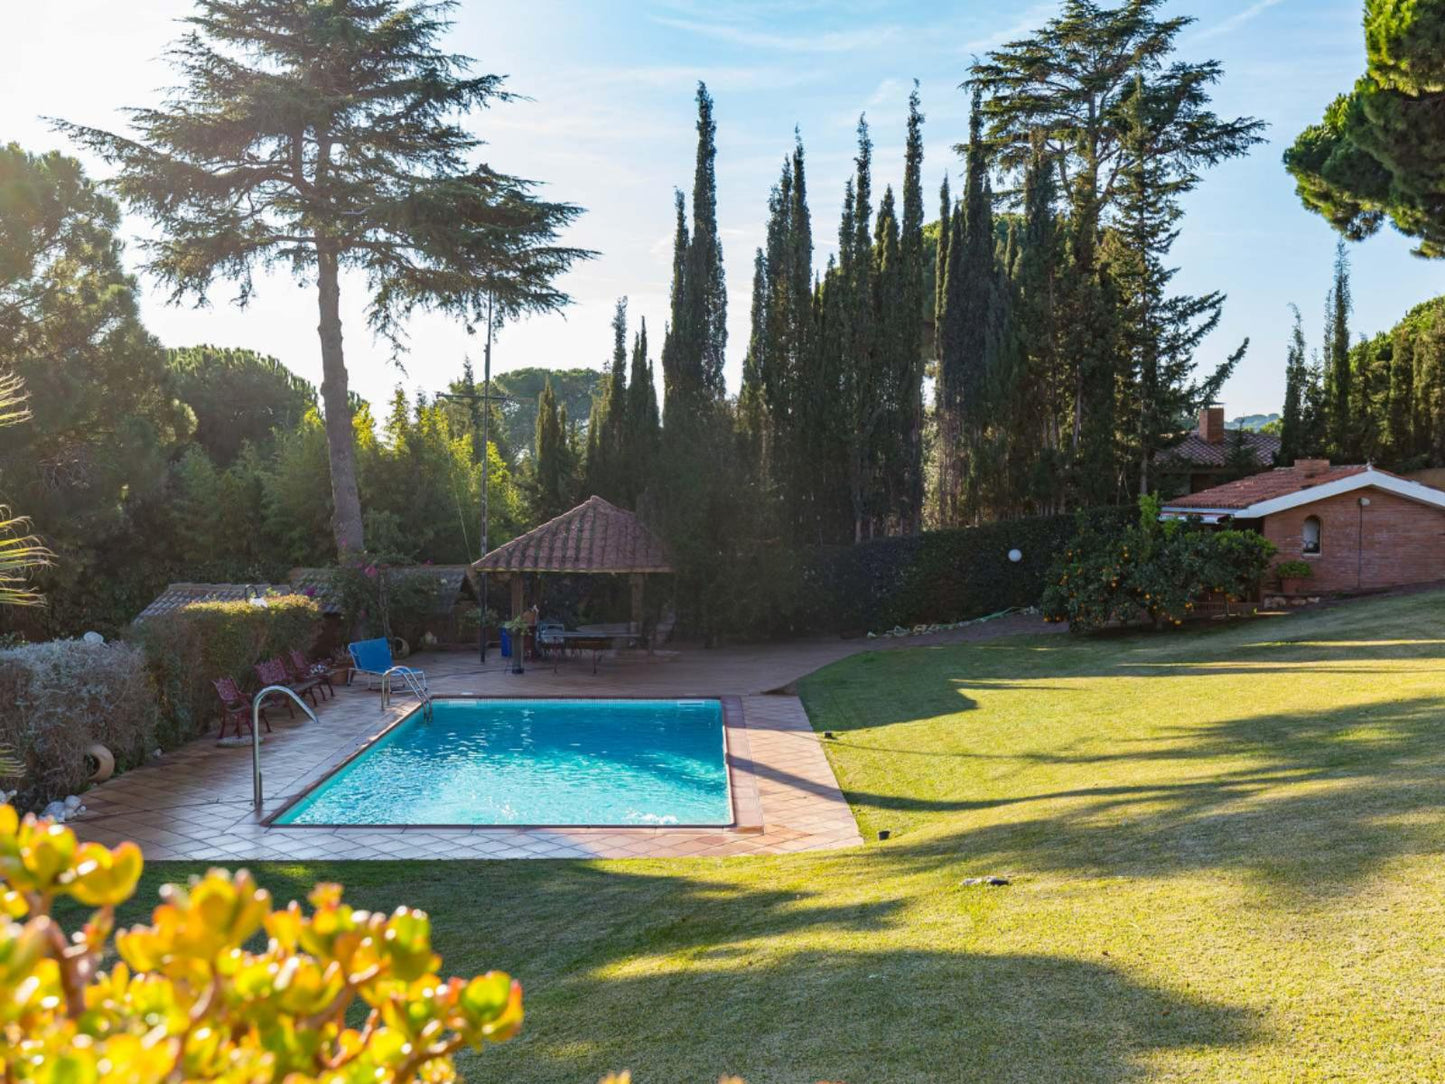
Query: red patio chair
(303,668)
(273,672)
(237,706)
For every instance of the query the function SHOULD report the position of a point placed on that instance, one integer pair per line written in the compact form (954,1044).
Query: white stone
(55,811)
(72,802)
(93,638)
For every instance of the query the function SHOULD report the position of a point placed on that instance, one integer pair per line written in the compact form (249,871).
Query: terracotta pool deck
(195,803)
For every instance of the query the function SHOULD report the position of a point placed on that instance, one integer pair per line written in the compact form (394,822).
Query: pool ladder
(415,684)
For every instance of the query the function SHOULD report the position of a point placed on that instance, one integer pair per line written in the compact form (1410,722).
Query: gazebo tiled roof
(594,537)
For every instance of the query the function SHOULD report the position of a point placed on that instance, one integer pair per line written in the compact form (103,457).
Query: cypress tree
(550,487)
(911,330)
(1293,436)
(1339,393)
(642,420)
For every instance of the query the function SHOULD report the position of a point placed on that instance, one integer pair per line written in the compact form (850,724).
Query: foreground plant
(186,1000)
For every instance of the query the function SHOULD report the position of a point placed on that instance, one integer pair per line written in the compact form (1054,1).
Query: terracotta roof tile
(1263,487)
(594,537)
(1195,451)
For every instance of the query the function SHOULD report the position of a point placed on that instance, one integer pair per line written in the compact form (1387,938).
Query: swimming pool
(600,763)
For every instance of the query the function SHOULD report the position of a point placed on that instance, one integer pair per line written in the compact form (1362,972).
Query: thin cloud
(1234,22)
(827,42)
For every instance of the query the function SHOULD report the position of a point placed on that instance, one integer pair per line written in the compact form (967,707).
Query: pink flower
(371,571)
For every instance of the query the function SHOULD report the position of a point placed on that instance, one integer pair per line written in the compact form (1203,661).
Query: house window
(1310,535)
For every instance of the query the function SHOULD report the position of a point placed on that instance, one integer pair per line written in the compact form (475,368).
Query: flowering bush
(187,1001)
(1155,569)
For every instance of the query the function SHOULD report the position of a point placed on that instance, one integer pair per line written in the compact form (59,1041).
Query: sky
(608,124)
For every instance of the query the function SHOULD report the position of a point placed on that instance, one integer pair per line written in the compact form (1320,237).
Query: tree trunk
(340,442)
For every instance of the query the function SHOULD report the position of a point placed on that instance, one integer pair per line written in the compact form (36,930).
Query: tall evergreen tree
(973,308)
(1339,390)
(552,460)
(1070,83)
(325,135)
(1294,436)
(911,330)
(1159,332)
(640,443)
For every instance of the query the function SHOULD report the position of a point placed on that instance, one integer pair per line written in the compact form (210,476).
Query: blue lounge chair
(373,658)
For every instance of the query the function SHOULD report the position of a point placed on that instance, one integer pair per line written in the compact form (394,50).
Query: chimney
(1211,424)
(1311,467)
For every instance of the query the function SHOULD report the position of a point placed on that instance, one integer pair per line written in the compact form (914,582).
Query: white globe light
(1015,556)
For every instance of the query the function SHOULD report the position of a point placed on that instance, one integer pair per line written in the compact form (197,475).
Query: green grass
(1225,848)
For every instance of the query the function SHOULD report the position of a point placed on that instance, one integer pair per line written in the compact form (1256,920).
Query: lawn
(1224,847)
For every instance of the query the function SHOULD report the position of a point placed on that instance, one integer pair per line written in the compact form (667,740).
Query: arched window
(1310,535)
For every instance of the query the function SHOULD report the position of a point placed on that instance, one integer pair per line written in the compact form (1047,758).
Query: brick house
(1359,528)
(1212,454)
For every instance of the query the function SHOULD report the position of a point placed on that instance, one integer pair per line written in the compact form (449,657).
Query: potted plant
(517,629)
(1292,575)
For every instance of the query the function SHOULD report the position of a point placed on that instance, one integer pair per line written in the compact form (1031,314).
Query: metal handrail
(408,675)
(256,734)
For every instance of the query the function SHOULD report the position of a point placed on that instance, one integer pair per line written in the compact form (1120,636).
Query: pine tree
(329,135)
(1159,333)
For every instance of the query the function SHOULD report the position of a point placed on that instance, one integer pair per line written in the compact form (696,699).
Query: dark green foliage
(1338,376)
(187,648)
(319,136)
(574,390)
(1092,93)
(1150,570)
(237,396)
(379,598)
(1159,332)
(1297,436)
(552,466)
(1379,153)
(104,413)
(938,576)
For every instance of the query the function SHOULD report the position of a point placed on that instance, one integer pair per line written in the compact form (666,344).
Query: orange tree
(188,1000)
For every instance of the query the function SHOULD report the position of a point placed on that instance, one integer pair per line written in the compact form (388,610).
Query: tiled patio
(195,803)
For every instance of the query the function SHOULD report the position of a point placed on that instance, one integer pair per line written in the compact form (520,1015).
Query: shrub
(1154,569)
(937,576)
(186,1000)
(188,648)
(379,600)
(64,695)
(1294,570)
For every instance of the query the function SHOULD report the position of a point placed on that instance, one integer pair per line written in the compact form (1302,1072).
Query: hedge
(188,648)
(64,695)
(938,576)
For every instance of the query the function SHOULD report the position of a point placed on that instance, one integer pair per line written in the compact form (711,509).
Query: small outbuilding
(595,538)
(1358,527)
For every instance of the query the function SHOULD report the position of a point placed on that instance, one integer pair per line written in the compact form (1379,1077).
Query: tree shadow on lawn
(1323,800)
(877,1016)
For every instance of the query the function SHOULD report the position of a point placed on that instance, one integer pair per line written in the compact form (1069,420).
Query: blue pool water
(555,762)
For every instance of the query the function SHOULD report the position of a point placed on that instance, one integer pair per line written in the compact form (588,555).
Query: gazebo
(594,538)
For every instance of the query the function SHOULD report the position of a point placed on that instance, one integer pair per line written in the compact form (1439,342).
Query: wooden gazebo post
(637,580)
